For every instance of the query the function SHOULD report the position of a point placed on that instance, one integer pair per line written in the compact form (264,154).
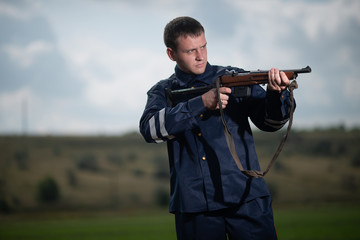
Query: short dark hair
(181,26)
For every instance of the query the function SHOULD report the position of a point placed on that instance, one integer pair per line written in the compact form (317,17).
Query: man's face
(191,54)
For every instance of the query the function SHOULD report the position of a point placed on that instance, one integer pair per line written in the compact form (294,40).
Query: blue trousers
(251,220)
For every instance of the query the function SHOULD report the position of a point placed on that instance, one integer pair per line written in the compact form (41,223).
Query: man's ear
(171,53)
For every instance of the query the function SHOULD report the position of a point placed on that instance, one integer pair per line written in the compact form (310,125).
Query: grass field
(319,223)
(154,226)
(125,172)
(107,178)
(315,222)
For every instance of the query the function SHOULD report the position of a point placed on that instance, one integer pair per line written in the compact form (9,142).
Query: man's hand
(278,81)
(210,98)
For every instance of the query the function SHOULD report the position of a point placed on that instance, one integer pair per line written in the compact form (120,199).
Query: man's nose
(199,55)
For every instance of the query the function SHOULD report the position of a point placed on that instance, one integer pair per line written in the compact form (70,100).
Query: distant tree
(138,172)
(273,189)
(279,166)
(71,178)
(132,156)
(355,161)
(21,158)
(48,191)
(348,182)
(4,206)
(161,164)
(115,159)
(88,162)
(323,147)
(162,197)
(57,151)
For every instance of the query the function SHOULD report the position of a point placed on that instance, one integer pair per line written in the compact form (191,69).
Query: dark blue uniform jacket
(203,174)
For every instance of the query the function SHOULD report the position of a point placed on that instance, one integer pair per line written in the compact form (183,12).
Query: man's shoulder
(165,83)
(168,81)
(222,69)
(237,69)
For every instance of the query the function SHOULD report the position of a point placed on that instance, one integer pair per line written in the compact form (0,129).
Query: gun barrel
(193,90)
(302,70)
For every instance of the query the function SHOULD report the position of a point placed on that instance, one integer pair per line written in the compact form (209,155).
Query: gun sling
(230,140)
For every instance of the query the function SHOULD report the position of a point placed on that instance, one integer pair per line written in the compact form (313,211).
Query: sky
(84,66)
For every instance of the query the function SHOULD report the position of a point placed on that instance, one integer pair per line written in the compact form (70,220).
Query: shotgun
(240,81)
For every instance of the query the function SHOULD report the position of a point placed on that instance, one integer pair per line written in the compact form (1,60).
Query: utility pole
(24,117)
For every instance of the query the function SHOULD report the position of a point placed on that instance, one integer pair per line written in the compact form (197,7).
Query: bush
(161,164)
(88,162)
(323,148)
(71,178)
(348,182)
(4,206)
(355,161)
(273,189)
(21,158)
(115,159)
(132,157)
(48,191)
(279,166)
(138,172)
(162,198)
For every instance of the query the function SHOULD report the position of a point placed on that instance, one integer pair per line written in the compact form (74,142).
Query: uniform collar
(190,80)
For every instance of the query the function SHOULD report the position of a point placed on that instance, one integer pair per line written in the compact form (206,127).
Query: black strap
(230,139)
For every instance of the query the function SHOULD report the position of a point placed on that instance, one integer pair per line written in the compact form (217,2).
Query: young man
(210,197)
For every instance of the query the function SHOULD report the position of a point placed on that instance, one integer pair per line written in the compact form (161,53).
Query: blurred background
(73,82)
(84,66)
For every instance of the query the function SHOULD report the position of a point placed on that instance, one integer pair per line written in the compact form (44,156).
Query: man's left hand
(278,81)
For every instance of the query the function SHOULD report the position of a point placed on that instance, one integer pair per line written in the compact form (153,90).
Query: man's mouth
(200,65)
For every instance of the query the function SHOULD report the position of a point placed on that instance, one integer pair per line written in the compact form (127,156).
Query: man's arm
(160,122)
(272,113)
(278,81)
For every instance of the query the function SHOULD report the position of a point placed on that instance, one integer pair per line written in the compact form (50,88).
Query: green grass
(315,167)
(91,228)
(319,223)
(323,222)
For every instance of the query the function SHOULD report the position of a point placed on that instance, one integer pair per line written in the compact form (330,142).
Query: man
(210,197)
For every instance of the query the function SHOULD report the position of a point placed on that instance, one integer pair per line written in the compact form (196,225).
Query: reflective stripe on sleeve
(163,131)
(153,130)
(275,124)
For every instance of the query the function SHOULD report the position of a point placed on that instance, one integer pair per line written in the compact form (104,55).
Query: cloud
(12,100)
(12,107)
(299,33)
(26,55)
(116,75)
(89,63)
(20,10)
(315,17)
(351,89)
(337,13)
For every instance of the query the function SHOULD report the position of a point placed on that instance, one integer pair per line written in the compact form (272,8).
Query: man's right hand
(210,98)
